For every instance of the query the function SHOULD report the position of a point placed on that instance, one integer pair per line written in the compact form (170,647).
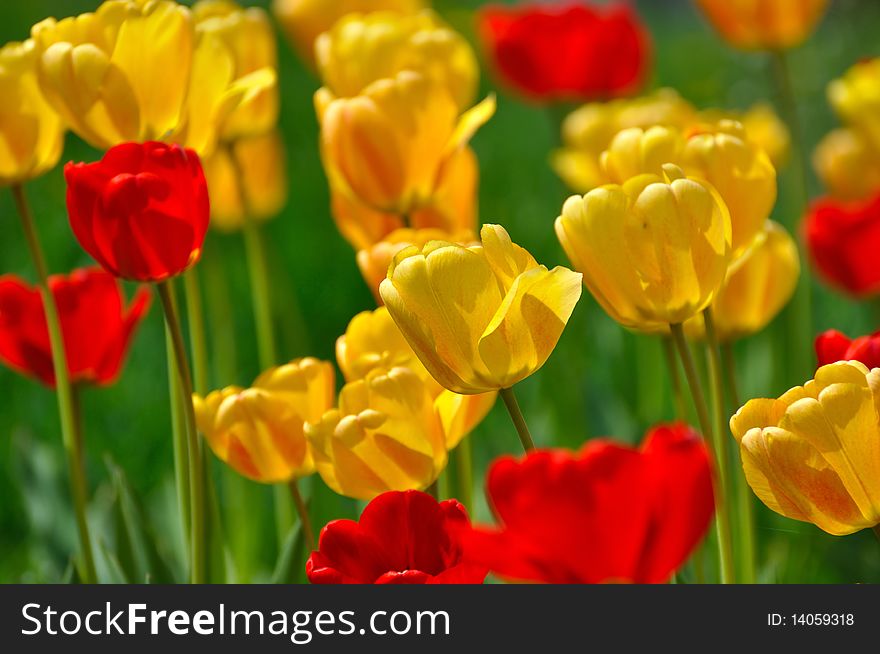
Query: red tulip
(142,211)
(97,329)
(844,240)
(566,51)
(607,514)
(832,346)
(402,538)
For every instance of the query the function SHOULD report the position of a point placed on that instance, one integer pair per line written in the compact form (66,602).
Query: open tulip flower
(402,537)
(384,435)
(832,346)
(653,251)
(141,211)
(764,24)
(609,513)
(843,239)
(386,43)
(96,325)
(259,431)
(568,52)
(479,318)
(814,453)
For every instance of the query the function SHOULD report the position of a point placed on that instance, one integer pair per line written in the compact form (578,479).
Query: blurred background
(600,381)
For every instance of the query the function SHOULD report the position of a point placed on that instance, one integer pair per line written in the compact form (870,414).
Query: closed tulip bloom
(571,51)
(96,325)
(384,435)
(386,43)
(814,453)
(372,341)
(856,99)
(653,251)
(261,160)
(607,514)
(136,70)
(141,211)
(387,148)
(764,24)
(833,346)
(402,537)
(847,164)
(31,133)
(259,431)
(762,125)
(304,20)
(757,287)
(480,318)
(843,238)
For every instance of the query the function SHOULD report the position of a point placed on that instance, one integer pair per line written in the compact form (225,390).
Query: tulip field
(401,291)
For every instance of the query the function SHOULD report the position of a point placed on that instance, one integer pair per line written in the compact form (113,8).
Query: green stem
(693,380)
(260,293)
(303,512)
(722,504)
(198,568)
(181,455)
(63,390)
(464,468)
(522,429)
(224,344)
(195,314)
(675,378)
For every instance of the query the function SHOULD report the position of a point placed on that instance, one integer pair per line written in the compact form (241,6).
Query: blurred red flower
(844,241)
(609,513)
(142,211)
(402,538)
(567,51)
(97,328)
(832,346)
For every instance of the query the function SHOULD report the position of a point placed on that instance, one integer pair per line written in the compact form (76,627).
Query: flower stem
(303,511)
(522,429)
(195,314)
(675,378)
(178,431)
(70,434)
(722,519)
(196,469)
(260,294)
(464,468)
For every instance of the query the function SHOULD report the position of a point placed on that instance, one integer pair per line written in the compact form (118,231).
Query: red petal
(831,346)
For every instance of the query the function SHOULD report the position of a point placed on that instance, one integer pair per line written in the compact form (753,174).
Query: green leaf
(115,573)
(289,569)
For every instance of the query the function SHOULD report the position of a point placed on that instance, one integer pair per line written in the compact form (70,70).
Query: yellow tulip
(388,147)
(259,431)
(764,24)
(856,99)
(814,453)
(847,164)
(385,435)
(262,164)
(720,154)
(249,36)
(385,43)
(763,127)
(758,286)
(479,318)
(653,251)
(137,70)
(31,133)
(452,208)
(304,20)
(373,341)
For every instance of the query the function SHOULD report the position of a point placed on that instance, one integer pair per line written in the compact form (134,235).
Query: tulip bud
(653,251)
(764,24)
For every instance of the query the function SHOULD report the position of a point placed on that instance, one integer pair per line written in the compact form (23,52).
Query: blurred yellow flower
(137,70)
(249,36)
(719,154)
(764,24)
(31,133)
(372,341)
(387,147)
(847,165)
(259,431)
(384,435)
(814,453)
(480,318)
(856,99)
(653,251)
(763,127)
(261,162)
(758,286)
(386,43)
(304,20)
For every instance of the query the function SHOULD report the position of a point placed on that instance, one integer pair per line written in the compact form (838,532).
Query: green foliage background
(600,381)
